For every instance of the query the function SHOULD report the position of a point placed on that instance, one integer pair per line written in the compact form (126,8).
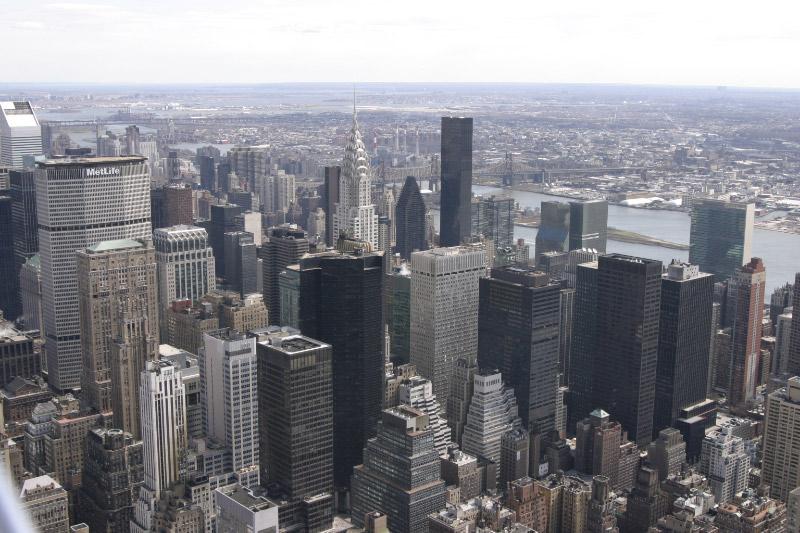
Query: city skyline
(551,304)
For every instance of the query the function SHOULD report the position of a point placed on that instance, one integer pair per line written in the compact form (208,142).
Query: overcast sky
(699,42)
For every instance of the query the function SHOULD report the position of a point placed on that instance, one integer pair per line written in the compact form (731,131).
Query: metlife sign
(102,171)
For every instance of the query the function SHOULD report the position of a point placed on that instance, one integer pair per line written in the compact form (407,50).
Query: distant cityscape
(400,307)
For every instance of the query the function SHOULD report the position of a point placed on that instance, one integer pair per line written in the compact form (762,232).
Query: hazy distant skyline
(752,44)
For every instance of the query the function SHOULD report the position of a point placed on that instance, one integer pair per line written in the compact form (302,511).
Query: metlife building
(81,202)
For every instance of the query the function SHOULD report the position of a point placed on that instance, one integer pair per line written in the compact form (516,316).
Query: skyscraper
(726,463)
(518,333)
(45,501)
(119,323)
(493,217)
(229,395)
(462,387)
(410,219)
(779,468)
(793,362)
(242,267)
(626,341)
(398,311)
(296,425)
(223,220)
(597,445)
(80,202)
(554,229)
(185,264)
(721,236)
(354,214)
(285,245)
(20,133)
(171,205)
(163,416)
(332,177)
(23,218)
(444,310)
(748,286)
(112,477)
(417,392)
(456,181)
(588,225)
(683,347)
(580,377)
(340,303)
(9,289)
(208,172)
(667,453)
(492,413)
(400,473)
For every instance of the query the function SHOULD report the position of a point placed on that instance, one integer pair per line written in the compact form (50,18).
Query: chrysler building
(355,215)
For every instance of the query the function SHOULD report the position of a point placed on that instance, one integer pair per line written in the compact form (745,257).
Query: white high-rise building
(492,413)
(20,133)
(354,214)
(229,395)
(417,392)
(276,191)
(162,397)
(444,310)
(726,463)
(81,202)
(185,264)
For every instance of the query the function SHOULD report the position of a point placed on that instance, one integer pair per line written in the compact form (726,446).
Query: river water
(779,251)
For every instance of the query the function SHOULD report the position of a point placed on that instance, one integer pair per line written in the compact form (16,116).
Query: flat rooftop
(247,499)
(84,161)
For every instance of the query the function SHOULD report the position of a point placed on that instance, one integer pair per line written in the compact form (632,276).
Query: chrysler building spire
(355,213)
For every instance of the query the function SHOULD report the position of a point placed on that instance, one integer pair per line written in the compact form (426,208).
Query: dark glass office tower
(553,234)
(518,333)
(223,220)
(721,236)
(793,365)
(295,405)
(456,195)
(23,214)
(410,216)
(683,347)
(398,311)
(341,302)
(588,225)
(208,172)
(626,348)
(241,257)
(9,288)
(332,175)
(284,246)
(580,370)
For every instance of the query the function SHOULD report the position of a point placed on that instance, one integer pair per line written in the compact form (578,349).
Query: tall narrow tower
(163,416)
(81,202)
(456,180)
(748,284)
(354,213)
(119,319)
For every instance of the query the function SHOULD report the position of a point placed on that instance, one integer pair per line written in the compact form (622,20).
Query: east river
(779,251)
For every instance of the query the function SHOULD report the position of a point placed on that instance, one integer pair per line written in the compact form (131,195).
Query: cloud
(28,25)
(77,6)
